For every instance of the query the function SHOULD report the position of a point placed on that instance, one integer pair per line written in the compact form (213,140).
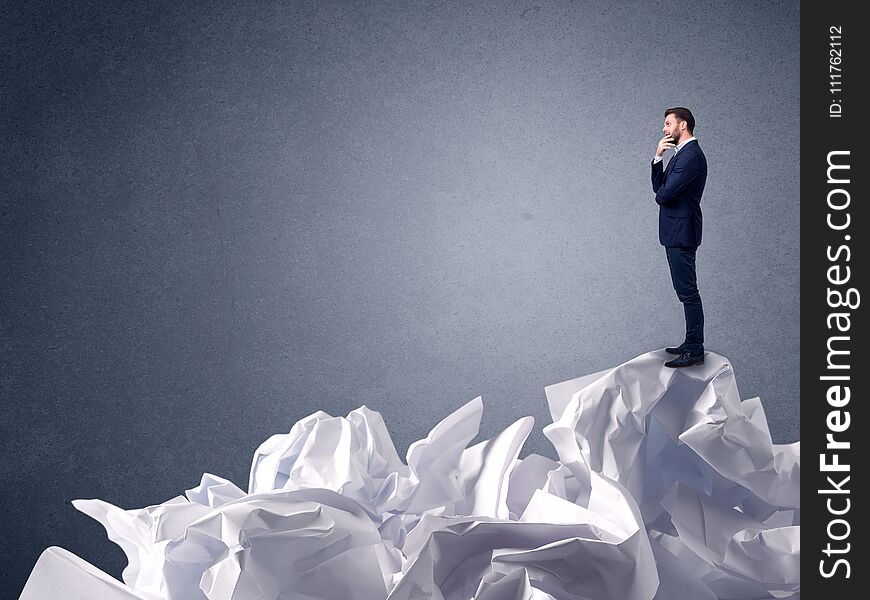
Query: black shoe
(686,360)
(677,350)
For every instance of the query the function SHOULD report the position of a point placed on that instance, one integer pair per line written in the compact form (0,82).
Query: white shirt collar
(683,143)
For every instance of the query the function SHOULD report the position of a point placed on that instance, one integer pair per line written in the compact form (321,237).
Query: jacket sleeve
(658,175)
(679,177)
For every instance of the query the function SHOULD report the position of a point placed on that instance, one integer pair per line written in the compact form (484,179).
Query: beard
(676,136)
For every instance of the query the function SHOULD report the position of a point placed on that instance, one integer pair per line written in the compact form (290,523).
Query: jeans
(681,260)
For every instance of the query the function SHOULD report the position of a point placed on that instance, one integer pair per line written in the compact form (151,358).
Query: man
(678,192)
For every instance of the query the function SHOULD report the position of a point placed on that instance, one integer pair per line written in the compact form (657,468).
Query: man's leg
(681,261)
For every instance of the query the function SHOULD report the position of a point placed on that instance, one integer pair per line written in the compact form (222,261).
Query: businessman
(678,190)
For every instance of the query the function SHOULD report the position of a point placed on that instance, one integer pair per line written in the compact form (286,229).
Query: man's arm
(658,174)
(680,175)
(658,177)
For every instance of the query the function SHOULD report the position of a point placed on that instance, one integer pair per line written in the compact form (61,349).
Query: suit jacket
(678,192)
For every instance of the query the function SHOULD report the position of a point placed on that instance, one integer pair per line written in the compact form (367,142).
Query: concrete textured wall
(217,220)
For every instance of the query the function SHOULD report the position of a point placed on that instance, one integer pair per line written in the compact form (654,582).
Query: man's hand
(666,143)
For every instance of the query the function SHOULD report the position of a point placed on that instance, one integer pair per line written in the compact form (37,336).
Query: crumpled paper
(711,486)
(666,487)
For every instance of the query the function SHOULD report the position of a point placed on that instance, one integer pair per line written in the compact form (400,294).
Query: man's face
(672,128)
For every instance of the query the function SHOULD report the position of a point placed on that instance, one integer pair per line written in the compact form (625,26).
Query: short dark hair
(683,114)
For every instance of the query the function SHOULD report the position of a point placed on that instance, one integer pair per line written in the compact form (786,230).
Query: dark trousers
(681,260)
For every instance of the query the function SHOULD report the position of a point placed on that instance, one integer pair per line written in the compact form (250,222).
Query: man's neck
(684,141)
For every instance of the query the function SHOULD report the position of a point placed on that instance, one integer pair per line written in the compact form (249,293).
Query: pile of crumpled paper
(667,487)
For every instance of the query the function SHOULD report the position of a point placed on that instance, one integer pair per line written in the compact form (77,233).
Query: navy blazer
(678,192)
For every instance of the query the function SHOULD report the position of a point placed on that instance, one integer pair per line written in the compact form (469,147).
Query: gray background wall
(217,220)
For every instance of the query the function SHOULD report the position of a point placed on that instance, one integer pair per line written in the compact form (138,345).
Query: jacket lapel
(674,157)
(670,162)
